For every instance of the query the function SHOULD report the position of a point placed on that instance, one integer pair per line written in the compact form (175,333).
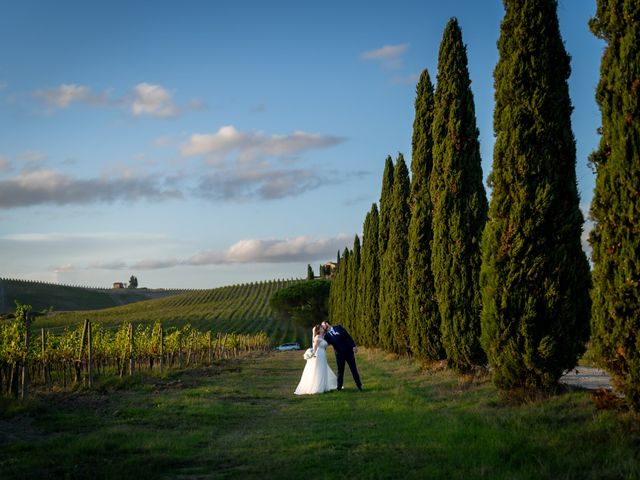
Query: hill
(238,308)
(44,296)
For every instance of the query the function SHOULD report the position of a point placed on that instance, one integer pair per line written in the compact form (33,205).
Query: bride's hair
(317,329)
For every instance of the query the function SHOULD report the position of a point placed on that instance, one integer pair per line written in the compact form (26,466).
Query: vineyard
(240,309)
(48,296)
(79,354)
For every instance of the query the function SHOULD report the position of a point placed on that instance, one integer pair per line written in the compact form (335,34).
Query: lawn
(239,419)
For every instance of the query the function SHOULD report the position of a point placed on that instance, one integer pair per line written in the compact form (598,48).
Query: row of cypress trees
(505,283)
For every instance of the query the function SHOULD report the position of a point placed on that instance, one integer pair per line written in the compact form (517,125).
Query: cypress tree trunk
(385,340)
(459,205)
(394,264)
(535,276)
(616,203)
(423,322)
(370,279)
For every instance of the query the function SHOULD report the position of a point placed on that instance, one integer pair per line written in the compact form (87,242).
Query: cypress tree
(394,264)
(535,276)
(352,288)
(386,195)
(423,321)
(459,205)
(310,274)
(370,279)
(616,204)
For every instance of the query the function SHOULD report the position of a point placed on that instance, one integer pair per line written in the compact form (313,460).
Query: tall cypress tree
(369,280)
(384,295)
(535,276)
(459,205)
(423,321)
(394,264)
(616,204)
(352,287)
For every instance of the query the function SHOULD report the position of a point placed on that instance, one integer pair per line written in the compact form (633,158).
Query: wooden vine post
(44,358)
(25,370)
(161,348)
(82,344)
(210,351)
(90,360)
(131,361)
(180,349)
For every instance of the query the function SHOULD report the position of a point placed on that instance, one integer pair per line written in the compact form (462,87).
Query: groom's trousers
(350,359)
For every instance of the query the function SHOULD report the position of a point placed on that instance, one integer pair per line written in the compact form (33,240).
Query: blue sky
(197,144)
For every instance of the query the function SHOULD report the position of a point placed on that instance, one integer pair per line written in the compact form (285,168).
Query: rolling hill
(237,308)
(43,296)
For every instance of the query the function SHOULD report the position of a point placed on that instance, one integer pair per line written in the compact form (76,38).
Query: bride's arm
(316,343)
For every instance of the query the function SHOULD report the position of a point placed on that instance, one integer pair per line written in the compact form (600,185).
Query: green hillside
(44,296)
(238,309)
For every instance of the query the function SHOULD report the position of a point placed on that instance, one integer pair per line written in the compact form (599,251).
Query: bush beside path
(240,419)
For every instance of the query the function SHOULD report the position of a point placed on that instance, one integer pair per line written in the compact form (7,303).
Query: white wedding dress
(317,377)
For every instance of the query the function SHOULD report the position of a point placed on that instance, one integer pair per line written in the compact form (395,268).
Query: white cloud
(303,248)
(152,100)
(260,183)
(254,145)
(66,94)
(390,56)
(288,250)
(49,187)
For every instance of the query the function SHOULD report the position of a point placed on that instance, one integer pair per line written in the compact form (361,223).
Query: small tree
(133,282)
(310,274)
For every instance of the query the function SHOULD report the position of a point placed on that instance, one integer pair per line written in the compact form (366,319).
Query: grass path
(241,420)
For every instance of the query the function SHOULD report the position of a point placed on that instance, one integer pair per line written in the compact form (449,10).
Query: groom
(345,349)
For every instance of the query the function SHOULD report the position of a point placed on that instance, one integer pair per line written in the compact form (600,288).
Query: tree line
(440,273)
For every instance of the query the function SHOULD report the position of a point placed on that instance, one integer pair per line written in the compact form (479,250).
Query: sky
(196,144)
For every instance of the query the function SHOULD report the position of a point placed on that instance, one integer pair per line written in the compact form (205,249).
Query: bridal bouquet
(309,353)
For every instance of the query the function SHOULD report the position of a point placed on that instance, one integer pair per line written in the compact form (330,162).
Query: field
(232,309)
(239,419)
(44,296)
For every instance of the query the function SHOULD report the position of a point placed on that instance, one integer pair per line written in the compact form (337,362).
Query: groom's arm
(350,340)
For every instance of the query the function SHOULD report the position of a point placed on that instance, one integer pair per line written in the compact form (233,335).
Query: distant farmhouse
(118,285)
(328,269)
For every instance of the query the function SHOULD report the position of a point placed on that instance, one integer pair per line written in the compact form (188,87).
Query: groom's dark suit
(343,346)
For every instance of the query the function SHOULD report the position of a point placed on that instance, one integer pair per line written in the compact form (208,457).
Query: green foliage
(133,282)
(423,321)
(353,314)
(310,274)
(369,281)
(459,205)
(393,266)
(616,204)
(386,201)
(535,276)
(306,302)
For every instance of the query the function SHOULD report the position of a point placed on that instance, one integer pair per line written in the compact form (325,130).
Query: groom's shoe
(361,388)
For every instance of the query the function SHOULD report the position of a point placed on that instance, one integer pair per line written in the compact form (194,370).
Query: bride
(317,377)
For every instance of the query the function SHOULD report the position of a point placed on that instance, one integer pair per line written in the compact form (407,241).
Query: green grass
(240,419)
